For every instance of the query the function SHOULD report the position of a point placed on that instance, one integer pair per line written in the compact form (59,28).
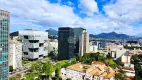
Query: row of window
(3,14)
(3,57)
(33,49)
(33,41)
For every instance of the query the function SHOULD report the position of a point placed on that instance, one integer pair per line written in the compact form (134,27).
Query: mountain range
(52,32)
(111,35)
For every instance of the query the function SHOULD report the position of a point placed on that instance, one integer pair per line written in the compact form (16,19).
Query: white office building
(35,44)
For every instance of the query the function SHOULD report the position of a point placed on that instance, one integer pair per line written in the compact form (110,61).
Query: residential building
(72,42)
(4,35)
(95,71)
(129,70)
(117,53)
(53,45)
(101,44)
(15,54)
(116,50)
(132,43)
(126,58)
(35,44)
(93,48)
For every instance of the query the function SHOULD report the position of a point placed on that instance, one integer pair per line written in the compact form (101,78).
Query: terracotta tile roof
(95,72)
(92,70)
(79,67)
(97,62)
(109,74)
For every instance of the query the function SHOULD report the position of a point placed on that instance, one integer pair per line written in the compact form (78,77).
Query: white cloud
(100,23)
(88,6)
(41,14)
(70,3)
(126,11)
(44,12)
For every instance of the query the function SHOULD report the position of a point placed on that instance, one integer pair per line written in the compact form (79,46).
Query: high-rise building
(4,35)
(35,44)
(66,43)
(72,42)
(81,41)
(86,42)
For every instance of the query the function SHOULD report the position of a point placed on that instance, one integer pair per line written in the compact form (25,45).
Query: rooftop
(97,62)
(4,11)
(93,70)
(79,67)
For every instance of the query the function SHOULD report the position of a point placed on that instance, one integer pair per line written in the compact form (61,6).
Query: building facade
(15,54)
(35,44)
(95,71)
(72,42)
(4,34)
(66,43)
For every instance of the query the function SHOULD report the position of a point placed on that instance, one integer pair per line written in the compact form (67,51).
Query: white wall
(15,55)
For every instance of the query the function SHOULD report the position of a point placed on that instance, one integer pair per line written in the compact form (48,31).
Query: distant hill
(52,32)
(112,35)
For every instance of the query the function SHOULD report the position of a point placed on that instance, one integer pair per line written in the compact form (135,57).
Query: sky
(97,16)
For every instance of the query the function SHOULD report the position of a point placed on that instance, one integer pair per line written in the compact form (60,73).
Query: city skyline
(96,16)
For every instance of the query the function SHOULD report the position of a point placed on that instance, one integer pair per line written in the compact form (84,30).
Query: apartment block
(15,54)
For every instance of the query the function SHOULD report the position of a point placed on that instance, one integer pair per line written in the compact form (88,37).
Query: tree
(10,68)
(118,76)
(48,69)
(36,68)
(68,79)
(52,54)
(57,74)
(89,57)
(137,61)
(29,77)
(12,78)
(109,56)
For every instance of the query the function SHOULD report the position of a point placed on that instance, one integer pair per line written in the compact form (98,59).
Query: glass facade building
(4,34)
(77,34)
(65,43)
(70,43)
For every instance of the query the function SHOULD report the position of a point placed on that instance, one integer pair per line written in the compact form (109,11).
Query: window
(33,49)
(25,53)
(33,41)
(115,54)
(40,55)
(45,48)
(26,37)
(45,41)
(40,44)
